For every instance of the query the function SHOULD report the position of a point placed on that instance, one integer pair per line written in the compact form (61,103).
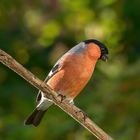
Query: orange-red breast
(70,74)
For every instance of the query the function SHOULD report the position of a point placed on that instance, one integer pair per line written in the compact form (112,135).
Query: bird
(69,75)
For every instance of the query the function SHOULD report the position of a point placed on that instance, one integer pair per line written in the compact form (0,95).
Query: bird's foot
(61,97)
(84,115)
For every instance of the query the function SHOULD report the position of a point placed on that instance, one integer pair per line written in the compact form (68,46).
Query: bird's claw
(62,97)
(83,114)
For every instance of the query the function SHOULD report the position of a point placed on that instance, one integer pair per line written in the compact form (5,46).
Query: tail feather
(35,117)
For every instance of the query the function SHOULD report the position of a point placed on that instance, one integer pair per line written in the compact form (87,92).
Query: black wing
(54,70)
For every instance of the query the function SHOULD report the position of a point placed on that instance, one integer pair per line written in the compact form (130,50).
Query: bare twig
(72,110)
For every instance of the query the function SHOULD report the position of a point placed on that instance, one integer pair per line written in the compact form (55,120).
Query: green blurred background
(37,32)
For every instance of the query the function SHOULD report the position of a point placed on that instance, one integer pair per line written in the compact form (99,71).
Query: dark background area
(36,33)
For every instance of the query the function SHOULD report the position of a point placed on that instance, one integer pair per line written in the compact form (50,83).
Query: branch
(72,110)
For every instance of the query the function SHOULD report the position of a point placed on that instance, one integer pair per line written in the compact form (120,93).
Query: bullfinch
(69,75)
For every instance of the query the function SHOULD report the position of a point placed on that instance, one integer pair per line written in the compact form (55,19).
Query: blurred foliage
(36,33)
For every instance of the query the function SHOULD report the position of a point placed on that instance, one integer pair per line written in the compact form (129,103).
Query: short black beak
(104,57)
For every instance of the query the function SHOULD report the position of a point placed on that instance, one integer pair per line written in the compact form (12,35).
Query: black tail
(35,118)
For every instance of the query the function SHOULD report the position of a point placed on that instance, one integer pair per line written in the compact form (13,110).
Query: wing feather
(54,70)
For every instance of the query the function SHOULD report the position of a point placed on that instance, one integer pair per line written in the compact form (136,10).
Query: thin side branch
(72,110)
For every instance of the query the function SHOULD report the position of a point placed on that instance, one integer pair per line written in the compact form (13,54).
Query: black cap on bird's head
(103,48)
